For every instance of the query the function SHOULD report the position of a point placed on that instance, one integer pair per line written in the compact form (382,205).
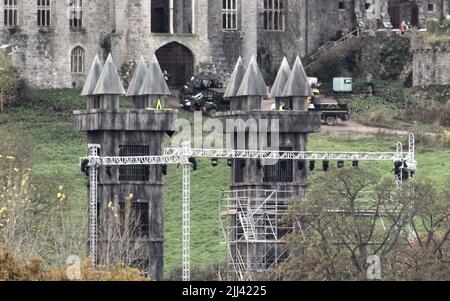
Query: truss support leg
(186,222)
(93,171)
(186,217)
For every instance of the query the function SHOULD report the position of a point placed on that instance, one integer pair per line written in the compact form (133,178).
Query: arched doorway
(403,10)
(178,60)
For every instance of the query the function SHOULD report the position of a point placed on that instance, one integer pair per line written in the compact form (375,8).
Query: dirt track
(354,128)
(341,128)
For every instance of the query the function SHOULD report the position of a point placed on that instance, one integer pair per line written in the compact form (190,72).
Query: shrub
(432,25)
(9,81)
(126,73)
(13,269)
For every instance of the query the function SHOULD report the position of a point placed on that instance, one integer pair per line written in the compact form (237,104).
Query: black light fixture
(164,170)
(214,162)
(398,168)
(355,164)
(326,165)
(340,164)
(193,161)
(301,165)
(85,167)
(108,171)
(312,165)
(230,163)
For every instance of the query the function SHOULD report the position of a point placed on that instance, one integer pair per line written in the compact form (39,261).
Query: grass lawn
(44,132)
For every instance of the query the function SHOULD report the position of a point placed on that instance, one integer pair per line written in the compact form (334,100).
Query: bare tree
(342,225)
(121,234)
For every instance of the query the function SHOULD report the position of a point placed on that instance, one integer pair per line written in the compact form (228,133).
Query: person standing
(403,28)
(370,85)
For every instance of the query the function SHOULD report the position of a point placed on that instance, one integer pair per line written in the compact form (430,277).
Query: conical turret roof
(236,79)
(253,82)
(138,78)
(298,83)
(281,79)
(154,82)
(92,78)
(109,82)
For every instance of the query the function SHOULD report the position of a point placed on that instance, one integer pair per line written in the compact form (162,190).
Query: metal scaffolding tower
(257,220)
(250,223)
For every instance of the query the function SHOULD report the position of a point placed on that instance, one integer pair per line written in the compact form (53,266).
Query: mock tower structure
(136,84)
(122,133)
(260,187)
(280,82)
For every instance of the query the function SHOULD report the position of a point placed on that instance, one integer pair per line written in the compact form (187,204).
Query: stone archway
(403,10)
(178,60)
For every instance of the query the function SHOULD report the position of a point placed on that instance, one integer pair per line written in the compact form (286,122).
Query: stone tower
(129,132)
(253,244)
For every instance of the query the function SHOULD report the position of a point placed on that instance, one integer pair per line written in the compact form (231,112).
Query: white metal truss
(93,150)
(180,156)
(186,215)
(176,156)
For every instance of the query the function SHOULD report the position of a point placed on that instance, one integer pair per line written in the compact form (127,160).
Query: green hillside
(41,134)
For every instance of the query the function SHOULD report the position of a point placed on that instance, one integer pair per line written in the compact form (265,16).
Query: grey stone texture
(43,54)
(431,62)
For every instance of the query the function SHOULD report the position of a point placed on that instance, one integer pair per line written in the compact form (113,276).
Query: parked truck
(331,112)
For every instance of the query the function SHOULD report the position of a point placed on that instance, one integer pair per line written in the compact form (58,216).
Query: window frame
(141,212)
(281,172)
(79,57)
(230,15)
(274,15)
(134,173)
(10,13)
(44,13)
(76,10)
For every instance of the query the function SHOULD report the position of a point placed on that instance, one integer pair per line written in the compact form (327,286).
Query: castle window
(136,219)
(430,7)
(43,12)
(134,173)
(76,13)
(341,5)
(10,13)
(274,15)
(229,15)
(282,172)
(77,60)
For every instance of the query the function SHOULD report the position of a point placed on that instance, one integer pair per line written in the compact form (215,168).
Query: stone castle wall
(431,62)
(43,54)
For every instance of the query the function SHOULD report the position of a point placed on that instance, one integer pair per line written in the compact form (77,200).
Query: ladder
(247,226)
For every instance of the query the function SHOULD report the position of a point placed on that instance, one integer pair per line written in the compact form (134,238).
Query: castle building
(52,42)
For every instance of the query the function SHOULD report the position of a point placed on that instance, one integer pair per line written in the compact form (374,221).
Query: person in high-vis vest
(159,105)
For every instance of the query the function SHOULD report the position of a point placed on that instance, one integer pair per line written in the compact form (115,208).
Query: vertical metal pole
(412,147)
(171,17)
(186,215)
(193,25)
(93,165)
(412,159)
